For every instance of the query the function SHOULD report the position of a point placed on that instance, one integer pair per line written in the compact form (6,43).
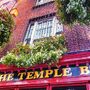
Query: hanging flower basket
(45,51)
(73,11)
(6,26)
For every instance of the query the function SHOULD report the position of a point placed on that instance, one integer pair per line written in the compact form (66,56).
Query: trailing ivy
(47,50)
(6,26)
(73,11)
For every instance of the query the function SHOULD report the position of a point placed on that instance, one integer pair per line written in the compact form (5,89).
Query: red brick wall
(26,12)
(20,26)
(77,39)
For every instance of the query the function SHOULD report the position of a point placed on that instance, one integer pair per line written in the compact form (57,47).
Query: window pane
(43,29)
(29,33)
(59,28)
(39,2)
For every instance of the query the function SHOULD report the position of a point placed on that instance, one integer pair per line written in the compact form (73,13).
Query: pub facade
(37,19)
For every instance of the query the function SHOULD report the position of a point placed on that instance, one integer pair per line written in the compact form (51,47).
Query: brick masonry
(76,39)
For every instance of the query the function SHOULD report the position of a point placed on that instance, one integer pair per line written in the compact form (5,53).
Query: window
(29,33)
(7,4)
(42,28)
(40,2)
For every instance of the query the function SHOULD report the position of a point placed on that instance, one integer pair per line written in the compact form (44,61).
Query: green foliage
(47,50)
(6,25)
(9,59)
(21,49)
(73,11)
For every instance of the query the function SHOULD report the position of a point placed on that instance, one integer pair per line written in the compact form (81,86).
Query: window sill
(44,4)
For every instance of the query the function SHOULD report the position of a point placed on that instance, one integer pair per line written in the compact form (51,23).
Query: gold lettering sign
(28,75)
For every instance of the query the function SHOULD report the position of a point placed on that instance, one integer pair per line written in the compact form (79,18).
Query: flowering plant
(72,11)
(6,25)
(47,50)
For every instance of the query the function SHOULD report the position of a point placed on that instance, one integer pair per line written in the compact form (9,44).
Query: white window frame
(33,32)
(43,2)
(53,31)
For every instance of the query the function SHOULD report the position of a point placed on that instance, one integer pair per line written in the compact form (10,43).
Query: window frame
(43,2)
(53,28)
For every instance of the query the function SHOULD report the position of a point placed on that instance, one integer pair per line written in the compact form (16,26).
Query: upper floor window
(40,2)
(7,4)
(42,28)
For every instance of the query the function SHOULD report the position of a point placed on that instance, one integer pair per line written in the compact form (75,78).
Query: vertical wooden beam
(16,88)
(49,88)
(88,87)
